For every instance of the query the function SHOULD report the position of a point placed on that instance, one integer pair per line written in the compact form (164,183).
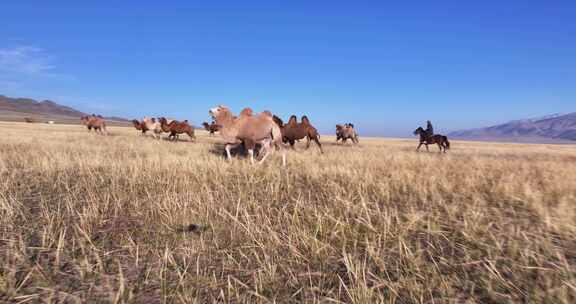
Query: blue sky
(385,67)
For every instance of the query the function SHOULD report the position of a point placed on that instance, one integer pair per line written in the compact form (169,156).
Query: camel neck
(224,119)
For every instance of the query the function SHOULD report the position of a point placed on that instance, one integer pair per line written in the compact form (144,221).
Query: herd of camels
(263,130)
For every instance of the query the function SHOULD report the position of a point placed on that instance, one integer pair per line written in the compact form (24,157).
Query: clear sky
(387,67)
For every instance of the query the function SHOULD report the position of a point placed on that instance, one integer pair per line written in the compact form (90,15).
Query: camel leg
(317,141)
(427,150)
(228,154)
(307,142)
(266,149)
(251,153)
(420,145)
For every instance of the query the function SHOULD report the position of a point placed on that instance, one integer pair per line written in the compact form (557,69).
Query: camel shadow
(218,149)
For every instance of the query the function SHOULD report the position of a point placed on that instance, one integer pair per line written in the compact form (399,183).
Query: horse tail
(447,142)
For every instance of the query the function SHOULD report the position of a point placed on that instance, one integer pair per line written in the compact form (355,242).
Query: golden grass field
(106,219)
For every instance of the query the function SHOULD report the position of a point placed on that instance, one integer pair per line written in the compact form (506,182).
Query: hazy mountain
(16,109)
(551,128)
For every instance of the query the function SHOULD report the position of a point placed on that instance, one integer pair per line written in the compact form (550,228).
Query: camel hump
(246,112)
(305,120)
(277,120)
(267,113)
(293,120)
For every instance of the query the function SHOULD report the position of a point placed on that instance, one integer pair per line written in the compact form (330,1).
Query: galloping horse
(430,139)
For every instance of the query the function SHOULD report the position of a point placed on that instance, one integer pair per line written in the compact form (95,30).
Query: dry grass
(86,218)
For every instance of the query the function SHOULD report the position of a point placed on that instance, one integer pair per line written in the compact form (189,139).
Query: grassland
(110,219)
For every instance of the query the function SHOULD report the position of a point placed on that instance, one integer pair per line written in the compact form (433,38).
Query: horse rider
(429,129)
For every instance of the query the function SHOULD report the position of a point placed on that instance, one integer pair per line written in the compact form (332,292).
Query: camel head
(135,122)
(219,113)
(206,126)
(339,127)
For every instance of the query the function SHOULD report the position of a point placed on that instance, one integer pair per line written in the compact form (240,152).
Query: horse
(430,139)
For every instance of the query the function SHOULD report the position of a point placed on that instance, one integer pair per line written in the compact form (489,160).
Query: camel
(95,122)
(212,128)
(250,130)
(139,126)
(175,128)
(152,124)
(345,132)
(294,131)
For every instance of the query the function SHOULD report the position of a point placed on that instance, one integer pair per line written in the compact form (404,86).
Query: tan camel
(154,125)
(95,122)
(345,132)
(249,129)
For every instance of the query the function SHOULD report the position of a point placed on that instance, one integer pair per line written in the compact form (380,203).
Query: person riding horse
(429,128)
(427,137)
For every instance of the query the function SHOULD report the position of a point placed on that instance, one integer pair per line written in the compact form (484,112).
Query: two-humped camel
(249,129)
(95,122)
(345,132)
(154,125)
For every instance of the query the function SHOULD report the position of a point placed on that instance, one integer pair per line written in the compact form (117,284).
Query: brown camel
(95,122)
(138,125)
(250,130)
(212,128)
(294,131)
(176,127)
(345,132)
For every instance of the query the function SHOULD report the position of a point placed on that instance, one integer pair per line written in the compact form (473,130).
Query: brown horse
(212,128)
(293,131)
(95,122)
(176,127)
(345,132)
(430,139)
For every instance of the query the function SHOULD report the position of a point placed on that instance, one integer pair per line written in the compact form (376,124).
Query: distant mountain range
(551,128)
(18,109)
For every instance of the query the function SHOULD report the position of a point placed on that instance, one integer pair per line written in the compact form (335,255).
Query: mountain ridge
(549,128)
(18,108)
